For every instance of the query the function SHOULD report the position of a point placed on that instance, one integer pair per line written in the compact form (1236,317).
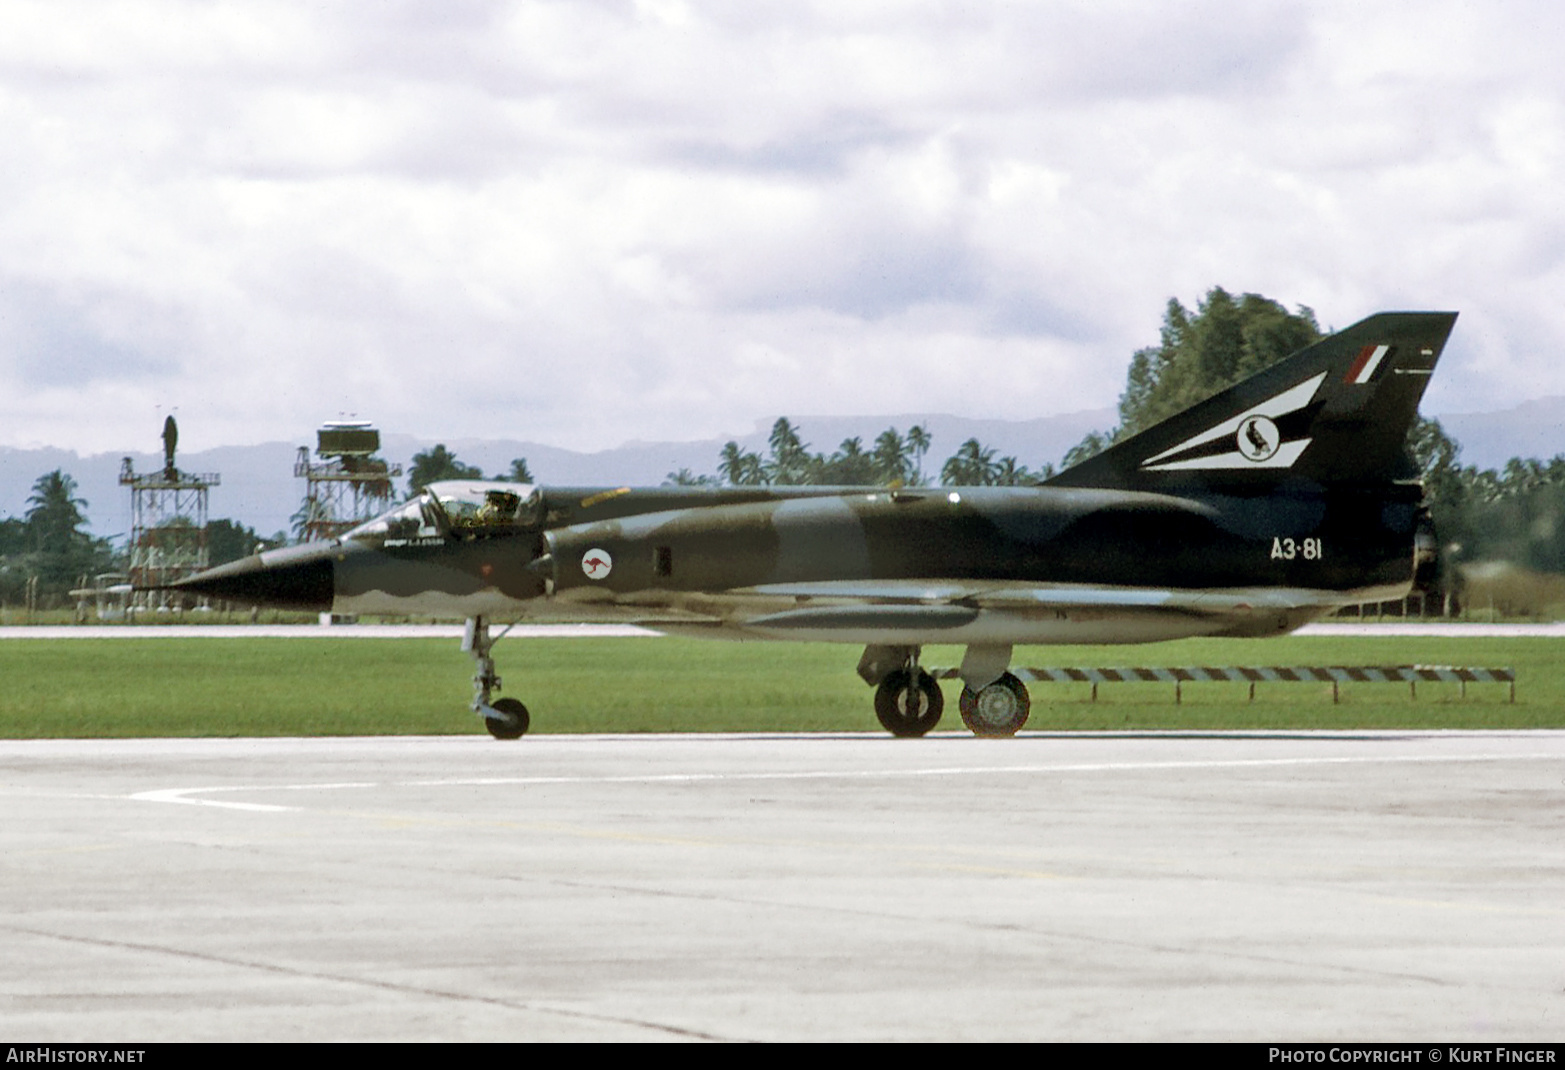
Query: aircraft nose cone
(300,578)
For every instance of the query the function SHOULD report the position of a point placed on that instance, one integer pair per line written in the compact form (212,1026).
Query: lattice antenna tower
(348,485)
(168,522)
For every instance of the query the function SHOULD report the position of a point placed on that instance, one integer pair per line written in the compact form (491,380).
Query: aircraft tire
(513,724)
(998,710)
(907,709)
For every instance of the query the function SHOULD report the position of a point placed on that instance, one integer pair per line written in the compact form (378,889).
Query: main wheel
(997,710)
(512,722)
(908,707)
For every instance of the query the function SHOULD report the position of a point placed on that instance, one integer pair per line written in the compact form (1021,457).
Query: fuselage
(869,565)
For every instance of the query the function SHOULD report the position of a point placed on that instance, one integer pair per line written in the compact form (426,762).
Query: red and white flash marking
(597,564)
(1369,359)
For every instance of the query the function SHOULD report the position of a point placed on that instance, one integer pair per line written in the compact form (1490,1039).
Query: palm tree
(973,465)
(686,478)
(850,466)
(740,468)
(1008,473)
(436,464)
(62,551)
(54,517)
(791,462)
(918,442)
(892,464)
(519,472)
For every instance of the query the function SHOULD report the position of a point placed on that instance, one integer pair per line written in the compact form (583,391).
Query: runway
(1248,886)
(313,631)
(1389,628)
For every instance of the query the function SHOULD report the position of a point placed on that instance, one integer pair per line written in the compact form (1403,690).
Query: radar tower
(349,485)
(168,523)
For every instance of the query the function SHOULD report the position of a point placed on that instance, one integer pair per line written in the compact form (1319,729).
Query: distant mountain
(1032,442)
(258,487)
(1489,439)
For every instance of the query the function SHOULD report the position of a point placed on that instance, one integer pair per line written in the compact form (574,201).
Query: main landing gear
(908,700)
(994,703)
(506,718)
(996,710)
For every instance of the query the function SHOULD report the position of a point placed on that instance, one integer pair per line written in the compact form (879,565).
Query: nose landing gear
(505,718)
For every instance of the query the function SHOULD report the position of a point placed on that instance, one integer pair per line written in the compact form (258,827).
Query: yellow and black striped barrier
(1254,674)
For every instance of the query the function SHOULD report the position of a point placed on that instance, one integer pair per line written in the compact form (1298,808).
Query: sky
(597,221)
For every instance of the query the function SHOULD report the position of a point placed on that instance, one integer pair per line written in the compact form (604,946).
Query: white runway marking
(184,795)
(189,796)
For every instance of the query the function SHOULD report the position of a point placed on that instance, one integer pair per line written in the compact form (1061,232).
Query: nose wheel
(507,719)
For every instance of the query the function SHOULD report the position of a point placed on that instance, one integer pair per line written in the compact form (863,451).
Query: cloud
(57,340)
(591,222)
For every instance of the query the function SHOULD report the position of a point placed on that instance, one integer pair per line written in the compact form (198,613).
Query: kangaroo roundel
(597,564)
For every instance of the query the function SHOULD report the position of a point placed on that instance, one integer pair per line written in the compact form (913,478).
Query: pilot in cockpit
(500,507)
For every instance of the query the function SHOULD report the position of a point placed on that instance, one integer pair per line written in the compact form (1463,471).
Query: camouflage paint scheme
(1249,514)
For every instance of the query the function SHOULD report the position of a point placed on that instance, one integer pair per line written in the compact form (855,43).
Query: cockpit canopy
(456,509)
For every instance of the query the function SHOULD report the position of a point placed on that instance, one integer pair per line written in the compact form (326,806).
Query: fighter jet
(1249,514)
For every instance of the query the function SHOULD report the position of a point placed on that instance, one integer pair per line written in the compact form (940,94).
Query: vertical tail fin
(1336,412)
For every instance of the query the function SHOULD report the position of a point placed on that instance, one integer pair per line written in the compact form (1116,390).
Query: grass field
(271,687)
